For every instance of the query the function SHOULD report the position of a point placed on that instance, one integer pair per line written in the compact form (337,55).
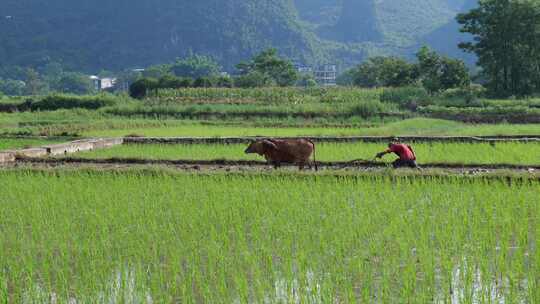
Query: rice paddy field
(150,233)
(86,123)
(436,152)
(417,126)
(137,237)
(151,237)
(18,143)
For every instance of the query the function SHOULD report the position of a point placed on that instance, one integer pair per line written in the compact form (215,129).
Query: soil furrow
(250,163)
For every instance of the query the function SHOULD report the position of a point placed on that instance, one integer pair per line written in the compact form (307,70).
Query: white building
(326,75)
(101,84)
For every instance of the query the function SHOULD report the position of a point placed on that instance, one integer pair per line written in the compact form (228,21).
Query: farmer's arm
(381,154)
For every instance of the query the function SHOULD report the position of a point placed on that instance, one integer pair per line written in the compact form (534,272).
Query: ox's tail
(314,159)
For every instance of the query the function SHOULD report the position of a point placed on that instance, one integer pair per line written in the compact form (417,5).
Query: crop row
(91,123)
(268,95)
(417,126)
(455,153)
(136,237)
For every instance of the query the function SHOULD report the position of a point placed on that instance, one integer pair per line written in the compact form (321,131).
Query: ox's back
(291,150)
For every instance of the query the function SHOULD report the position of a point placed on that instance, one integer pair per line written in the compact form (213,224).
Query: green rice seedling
(18,143)
(417,126)
(137,236)
(436,152)
(265,95)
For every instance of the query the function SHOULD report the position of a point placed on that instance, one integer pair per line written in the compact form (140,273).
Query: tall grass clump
(406,97)
(65,101)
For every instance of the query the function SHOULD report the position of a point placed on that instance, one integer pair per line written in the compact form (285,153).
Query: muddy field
(71,158)
(361,168)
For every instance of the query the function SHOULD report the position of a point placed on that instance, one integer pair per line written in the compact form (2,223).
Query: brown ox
(277,151)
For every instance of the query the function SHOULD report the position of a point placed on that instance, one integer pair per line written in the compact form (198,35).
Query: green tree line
(507,42)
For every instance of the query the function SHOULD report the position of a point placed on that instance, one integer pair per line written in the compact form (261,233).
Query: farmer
(407,158)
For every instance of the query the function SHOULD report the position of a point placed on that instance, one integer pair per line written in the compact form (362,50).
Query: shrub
(439,73)
(406,97)
(224,82)
(172,82)
(141,87)
(384,72)
(280,71)
(368,109)
(469,95)
(253,80)
(203,82)
(195,66)
(57,101)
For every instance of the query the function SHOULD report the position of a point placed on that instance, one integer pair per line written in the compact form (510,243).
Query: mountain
(445,39)
(389,27)
(103,34)
(135,33)
(357,23)
(321,12)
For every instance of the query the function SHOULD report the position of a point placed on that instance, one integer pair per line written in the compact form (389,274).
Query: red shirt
(403,151)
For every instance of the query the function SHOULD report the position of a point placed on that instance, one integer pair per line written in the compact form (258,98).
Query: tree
(438,73)
(454,74)
(172,82)
(385,72)
(141,87)
(157,71)
(507,42)
(306,80)
(34,84)
(271,66)
(253,79)
(346,78)
(195,66)
(75,83)
(52,72)
(223,82)
(12,87)
(203,82)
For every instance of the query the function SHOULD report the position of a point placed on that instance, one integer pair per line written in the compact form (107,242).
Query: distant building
(326,75)
(303,69)
(107,83)
(101,84)
(96,81)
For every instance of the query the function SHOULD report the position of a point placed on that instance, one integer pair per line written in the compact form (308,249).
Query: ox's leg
(277,165)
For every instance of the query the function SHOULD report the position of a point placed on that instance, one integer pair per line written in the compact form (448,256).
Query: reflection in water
(467,286)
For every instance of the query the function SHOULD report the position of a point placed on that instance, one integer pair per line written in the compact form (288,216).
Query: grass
(455,153)
(17,143)
(99,123)
(129,237)
(270,107)
(417,126)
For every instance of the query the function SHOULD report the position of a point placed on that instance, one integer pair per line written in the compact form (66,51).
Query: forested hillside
(441,37)
(357,23)
(114,35)
(130,33)
(400,22)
